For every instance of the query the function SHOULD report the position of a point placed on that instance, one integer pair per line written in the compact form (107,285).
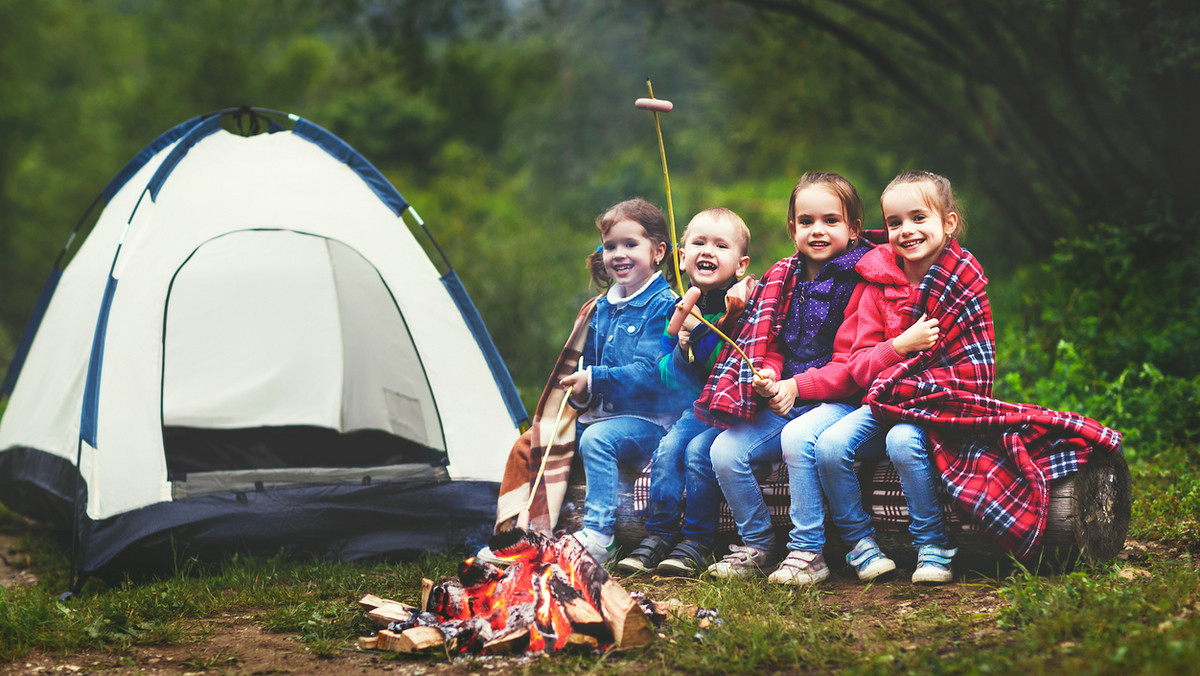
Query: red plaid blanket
(996,459)
(729,397)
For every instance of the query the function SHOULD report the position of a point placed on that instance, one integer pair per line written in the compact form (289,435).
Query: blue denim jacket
(624,345)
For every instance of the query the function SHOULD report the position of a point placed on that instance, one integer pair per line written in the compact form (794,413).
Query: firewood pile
(550,596)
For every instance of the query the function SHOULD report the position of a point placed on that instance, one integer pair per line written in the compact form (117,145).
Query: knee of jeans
(906,445)
(798,449)
(829,452)
(723,456)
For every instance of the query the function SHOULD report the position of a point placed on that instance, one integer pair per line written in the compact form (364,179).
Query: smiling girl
(625,410)
(922,221)
(789,331)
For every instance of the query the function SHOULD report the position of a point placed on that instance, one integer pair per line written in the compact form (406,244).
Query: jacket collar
(639,297)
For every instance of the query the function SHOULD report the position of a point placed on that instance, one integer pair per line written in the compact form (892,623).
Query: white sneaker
(868,560)
(591,541)
(742,561)
(800,569)
(933,565)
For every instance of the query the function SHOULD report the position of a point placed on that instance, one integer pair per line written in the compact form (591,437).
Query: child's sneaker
(742,561)
(800,569)
(601,547)
(868,561)
(687,559)
(648,554)
(933,565)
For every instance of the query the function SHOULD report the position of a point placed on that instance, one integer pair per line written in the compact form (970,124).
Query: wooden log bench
(1088,516)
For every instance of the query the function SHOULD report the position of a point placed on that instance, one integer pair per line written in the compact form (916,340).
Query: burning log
(549,596)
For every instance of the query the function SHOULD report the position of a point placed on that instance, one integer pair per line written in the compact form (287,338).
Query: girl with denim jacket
(626,410)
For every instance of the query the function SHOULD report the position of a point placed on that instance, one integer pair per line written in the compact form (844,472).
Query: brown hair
(643,213)
(937,193)
(840,186)
(741,232)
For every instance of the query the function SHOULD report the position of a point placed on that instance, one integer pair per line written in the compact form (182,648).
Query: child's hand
(685,340)
(785,397)
(765,384)
(922,335)
(578,381)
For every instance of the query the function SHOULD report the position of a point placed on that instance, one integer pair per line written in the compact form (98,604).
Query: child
(922,221)
(790,327)
(713,253)
(626,412)
(996,459)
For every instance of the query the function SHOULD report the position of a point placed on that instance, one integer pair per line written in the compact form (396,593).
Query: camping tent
(251,350)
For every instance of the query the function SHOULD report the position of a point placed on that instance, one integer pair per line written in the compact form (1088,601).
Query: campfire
(549,596)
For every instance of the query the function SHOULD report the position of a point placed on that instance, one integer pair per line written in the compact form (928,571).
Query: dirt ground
(236,644)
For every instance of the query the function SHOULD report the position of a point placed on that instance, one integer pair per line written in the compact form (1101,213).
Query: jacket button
(608,407)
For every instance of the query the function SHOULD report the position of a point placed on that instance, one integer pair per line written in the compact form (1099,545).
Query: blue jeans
(740,456)
(860,436)
(799,442)
(603,445)
(682,464)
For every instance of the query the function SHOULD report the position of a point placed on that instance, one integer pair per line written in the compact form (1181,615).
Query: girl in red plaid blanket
(922,221)
(789,330)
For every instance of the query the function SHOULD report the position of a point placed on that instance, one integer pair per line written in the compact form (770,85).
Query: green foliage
(1166,499)
(1109,327)
(1128,624)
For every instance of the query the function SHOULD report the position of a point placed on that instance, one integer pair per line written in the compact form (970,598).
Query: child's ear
(660,253)
(950,224)
(743,263)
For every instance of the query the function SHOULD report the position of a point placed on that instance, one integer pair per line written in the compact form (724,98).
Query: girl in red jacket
(922,220)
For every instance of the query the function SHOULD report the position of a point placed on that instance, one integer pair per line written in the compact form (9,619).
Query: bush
(1110,328)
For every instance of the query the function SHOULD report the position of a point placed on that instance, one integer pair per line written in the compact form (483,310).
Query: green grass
(1138,614)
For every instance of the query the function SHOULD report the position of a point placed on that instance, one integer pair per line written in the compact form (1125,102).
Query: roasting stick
(663,106)
(546,456)
(686,306)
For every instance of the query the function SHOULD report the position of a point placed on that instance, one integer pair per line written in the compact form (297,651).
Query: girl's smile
(629,256)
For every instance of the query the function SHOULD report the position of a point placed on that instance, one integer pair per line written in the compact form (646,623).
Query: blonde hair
(937,193)
(740,231)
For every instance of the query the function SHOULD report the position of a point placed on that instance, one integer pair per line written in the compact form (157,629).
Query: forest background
(1068,128)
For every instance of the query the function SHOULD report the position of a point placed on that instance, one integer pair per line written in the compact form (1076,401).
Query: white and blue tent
(251,351)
